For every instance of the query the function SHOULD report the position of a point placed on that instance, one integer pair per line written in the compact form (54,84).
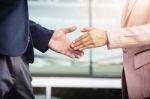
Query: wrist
(106,37)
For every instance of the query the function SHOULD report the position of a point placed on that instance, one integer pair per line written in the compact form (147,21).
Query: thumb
(69,29)
(87,29)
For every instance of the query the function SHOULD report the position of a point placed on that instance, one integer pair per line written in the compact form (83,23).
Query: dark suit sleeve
(40,36)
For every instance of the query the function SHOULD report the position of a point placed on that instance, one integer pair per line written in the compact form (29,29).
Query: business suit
(134,38)
(18,36)
(16,27)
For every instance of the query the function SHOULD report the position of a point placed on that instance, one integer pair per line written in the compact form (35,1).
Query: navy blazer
(18,35)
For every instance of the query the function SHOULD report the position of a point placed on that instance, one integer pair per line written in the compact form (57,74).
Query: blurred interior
(96,63)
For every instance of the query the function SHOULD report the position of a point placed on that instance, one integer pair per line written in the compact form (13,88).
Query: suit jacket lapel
(128,10)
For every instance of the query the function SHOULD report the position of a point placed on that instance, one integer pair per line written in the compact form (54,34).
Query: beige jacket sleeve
(129,37)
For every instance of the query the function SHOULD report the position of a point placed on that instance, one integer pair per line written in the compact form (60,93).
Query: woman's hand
(91,39)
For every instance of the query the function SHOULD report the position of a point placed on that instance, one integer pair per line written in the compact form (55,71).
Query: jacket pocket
(142,58)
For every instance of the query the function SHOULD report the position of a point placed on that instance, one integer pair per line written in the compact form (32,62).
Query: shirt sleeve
(129,37)
(40,36)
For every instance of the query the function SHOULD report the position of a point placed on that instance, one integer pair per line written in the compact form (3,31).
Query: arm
(129,37)
(40,36)
(122,38)
(57,41)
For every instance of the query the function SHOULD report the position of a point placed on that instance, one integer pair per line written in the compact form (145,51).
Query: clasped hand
(61,44)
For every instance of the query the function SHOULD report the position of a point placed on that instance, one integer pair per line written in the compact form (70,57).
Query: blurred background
(96,75)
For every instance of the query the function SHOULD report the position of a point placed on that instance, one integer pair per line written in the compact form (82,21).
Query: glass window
(55,14)
(40,92)
(106,15)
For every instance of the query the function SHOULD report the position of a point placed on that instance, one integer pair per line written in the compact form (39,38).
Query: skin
(92,38)
(61,44)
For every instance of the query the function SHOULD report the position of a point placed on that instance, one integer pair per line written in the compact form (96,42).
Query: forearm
(129,37)
(40,36)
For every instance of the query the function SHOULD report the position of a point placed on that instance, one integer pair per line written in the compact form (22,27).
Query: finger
(72,45)
(87,47)
(69,29)
(75,52)
(74,55)
(70,55)
(83,37)
(78,56)
(81,54)
(83,45)
(87,29)
(83,42)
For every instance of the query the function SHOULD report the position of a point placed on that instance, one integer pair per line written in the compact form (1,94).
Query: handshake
(91,38)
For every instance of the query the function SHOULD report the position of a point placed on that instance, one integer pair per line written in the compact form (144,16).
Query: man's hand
(91,39)
(61,44)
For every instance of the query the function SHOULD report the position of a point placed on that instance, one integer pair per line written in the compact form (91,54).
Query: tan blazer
(134,38)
